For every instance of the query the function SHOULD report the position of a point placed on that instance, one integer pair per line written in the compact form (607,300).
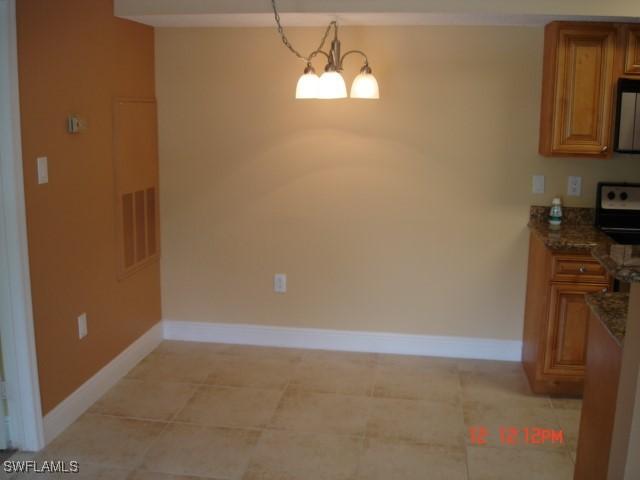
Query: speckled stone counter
(621,261)
(576,234)
(611,309)
(570,215)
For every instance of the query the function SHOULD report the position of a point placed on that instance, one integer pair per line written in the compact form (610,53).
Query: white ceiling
(248,13)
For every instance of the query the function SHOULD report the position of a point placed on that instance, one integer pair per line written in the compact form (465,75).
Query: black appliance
(618,211)
(627,136)
(618,215)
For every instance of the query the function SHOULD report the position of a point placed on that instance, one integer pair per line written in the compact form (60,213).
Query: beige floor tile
(231,407)
(86,472)
(514,421)
(254,351)
(486,463)
(418,363)
(321,412)
(250,371)
(282,455)
(143,475)
(99,440)
(335,372)
(566,403)
(416,421)
(386,460)
(569,420)
(176,347)
(201,451)
(499,389)
(18,457)
(358,358)
(392,381)
(490,366)
(144,399)
(172,368)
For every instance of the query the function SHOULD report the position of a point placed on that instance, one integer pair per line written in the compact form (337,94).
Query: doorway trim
(16,322)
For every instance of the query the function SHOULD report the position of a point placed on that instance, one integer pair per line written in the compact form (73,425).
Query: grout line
(295,364)
(568,449)
(157,438)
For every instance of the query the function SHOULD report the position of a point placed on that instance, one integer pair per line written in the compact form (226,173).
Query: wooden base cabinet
(557,318)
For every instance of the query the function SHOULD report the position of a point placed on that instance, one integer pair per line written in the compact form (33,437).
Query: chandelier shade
(332,86)
(308,85)
(365,85)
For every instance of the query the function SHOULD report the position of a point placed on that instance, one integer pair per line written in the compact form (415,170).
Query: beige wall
(406,215)
(76,58)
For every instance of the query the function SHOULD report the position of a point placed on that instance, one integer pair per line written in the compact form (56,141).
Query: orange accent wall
(75,57)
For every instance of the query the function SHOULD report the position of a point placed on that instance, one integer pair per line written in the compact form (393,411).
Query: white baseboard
(86,395)
(355,341)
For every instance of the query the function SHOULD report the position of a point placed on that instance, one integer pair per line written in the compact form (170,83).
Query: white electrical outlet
(43,170)
(280,283)
(574,186)
(82,326)
(538,184)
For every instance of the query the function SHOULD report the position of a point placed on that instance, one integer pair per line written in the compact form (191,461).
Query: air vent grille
(136,172)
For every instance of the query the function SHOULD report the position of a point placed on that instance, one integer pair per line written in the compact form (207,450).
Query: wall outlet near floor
(537,184)
(280,283)
(574,186)
(82,326)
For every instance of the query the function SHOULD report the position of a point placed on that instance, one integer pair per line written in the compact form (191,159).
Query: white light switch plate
(280,283)
(574,186)
(43,170)
(82,326)
(538,184)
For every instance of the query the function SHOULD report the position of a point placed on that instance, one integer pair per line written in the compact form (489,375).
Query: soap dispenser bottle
(555,214)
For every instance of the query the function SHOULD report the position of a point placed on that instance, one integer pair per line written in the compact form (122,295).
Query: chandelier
(331,83)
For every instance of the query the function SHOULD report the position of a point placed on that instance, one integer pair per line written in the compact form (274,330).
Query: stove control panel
(620,197)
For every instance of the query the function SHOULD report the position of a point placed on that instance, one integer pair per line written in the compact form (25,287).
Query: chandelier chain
(288,44)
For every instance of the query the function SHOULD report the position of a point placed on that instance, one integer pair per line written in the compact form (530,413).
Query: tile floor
(210,411)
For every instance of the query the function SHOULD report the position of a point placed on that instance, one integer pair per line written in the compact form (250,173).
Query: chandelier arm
(316,52)
(288,44)
(366,60)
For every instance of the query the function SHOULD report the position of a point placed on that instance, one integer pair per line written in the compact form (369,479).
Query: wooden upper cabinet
(632,58)
(578,89)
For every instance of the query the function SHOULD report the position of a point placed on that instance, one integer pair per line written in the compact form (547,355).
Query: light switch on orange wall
(43,170)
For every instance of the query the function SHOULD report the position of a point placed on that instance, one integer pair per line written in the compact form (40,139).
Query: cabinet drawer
(577,269)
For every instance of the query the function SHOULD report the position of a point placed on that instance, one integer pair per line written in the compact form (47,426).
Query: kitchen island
(607,327)
(610,424)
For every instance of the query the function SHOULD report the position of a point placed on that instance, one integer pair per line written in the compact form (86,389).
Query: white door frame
(16,318)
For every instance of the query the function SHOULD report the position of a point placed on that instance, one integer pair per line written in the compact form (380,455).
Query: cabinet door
(632,60)
(565,354)
(578,103)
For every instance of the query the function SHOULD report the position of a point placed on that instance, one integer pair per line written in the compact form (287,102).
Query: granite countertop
(576,234)
(621,261)
(611,309)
